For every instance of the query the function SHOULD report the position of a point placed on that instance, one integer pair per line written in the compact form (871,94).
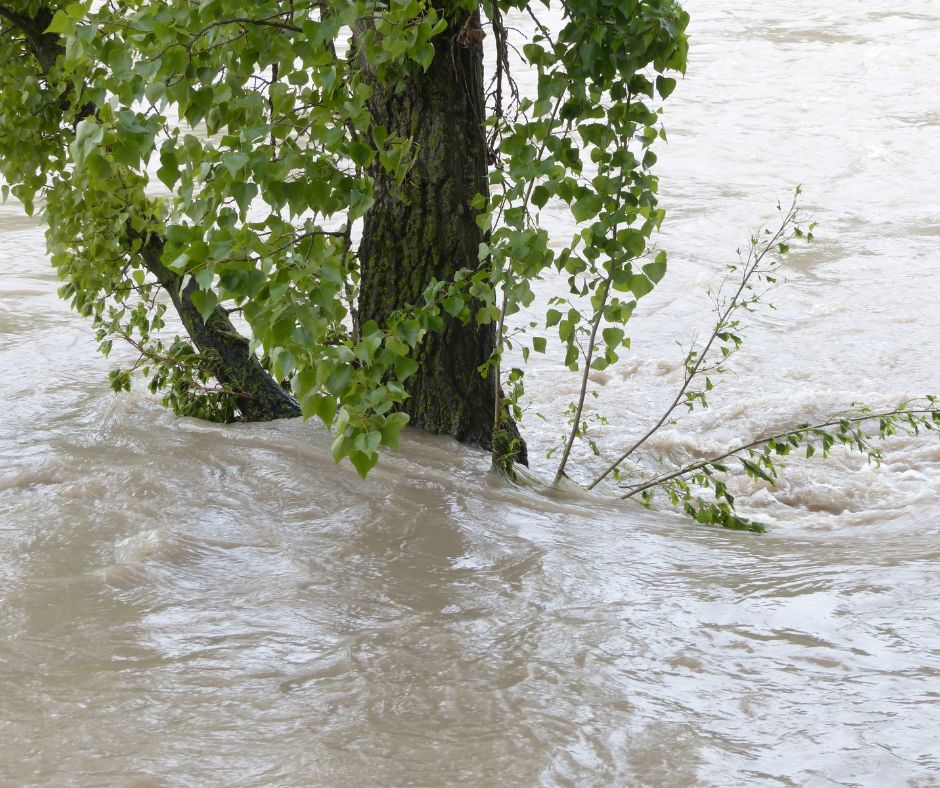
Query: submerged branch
(784,442)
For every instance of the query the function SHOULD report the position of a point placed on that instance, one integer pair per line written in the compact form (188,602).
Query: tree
(319,115)
(283,131)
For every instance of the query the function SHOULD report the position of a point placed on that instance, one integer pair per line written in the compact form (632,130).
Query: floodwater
(187,604)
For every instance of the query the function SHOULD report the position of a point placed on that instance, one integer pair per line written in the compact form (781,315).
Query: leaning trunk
(425,229)
(259,397)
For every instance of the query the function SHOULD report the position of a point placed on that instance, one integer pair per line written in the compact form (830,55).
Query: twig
(696,368)
(803,428)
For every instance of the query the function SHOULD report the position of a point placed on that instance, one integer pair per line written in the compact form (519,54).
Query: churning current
(188,604)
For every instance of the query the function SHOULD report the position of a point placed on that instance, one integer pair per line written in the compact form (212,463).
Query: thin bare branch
(697,367)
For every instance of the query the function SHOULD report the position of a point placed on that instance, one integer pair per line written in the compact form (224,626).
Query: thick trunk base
(425,229)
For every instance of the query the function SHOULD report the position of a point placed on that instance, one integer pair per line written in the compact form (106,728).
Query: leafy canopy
(240,135)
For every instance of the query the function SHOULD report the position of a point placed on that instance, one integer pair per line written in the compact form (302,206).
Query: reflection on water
(188,604)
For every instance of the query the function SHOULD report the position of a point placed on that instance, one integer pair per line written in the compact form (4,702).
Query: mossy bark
(425,229)
(260,397)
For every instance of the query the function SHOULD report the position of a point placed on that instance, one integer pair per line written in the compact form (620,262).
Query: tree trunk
(425,228)
(260,396)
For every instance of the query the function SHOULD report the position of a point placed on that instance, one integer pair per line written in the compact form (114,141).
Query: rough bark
(261,398)
(425,228)
(45,47)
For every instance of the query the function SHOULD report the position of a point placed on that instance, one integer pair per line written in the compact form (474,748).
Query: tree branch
(779,436)
(696,368)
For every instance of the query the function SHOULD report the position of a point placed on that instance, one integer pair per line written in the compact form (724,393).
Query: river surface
(187,604)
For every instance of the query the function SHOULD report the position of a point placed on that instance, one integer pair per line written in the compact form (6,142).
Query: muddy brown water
(186,604)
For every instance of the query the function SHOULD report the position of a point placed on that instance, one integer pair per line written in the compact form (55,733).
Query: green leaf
(657,269)
(640,285)
(613,337)
(340,379)
(339,448)
(243,193)
(394,423)
(98,167)
(60,23)
(633,241)
(755,470)
(425,55)
(540,196)
(379,135)
(587,207)
(405,367)
(88,135)
(454,304)
(204,277)
(168,176)
(308,406)
(234,161)
(368,442)
(360,153)
(665,86)
(205,302)
(363,463)
(359,204)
